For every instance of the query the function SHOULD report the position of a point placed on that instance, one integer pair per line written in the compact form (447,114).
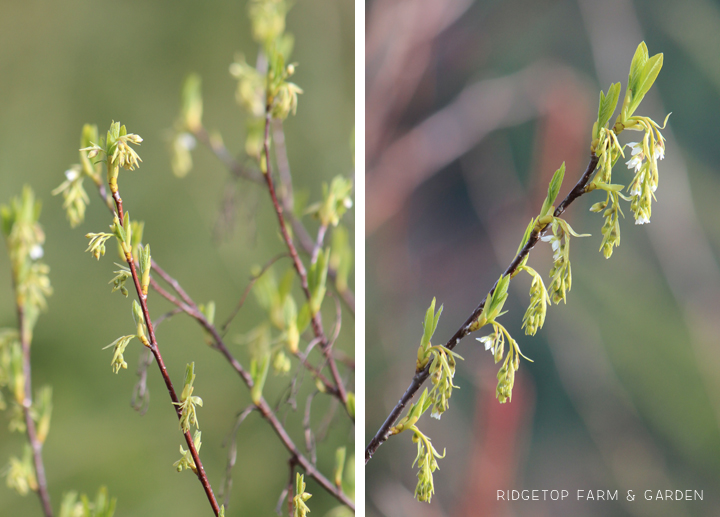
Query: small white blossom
(637,156)
(487,341)
(436,415)
(643,219)
(659,152)
(187,141)
(71,174)
(636,147)
(36,252)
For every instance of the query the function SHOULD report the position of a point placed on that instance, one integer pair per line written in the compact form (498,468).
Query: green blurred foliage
(65,64)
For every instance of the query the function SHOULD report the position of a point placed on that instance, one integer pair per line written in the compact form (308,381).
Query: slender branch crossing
(238,171)
(299,267)
(190,307)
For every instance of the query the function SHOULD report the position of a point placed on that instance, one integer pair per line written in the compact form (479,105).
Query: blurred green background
(471,106)
(63,64)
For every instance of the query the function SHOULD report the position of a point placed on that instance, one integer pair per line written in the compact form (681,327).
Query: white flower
(186,141)
(643,219)
(71,174)
(659,152)
(487,341)
(36,252)
(637,157)
(635,162)
(554,243)
(636,147)
(435,414)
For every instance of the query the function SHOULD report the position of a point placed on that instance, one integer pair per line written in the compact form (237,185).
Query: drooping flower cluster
(442,371)
(561,273)
(426,461)
(534,317)
(495,343)
(643,162)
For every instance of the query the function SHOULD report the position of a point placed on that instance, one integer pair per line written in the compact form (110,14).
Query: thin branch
(35,444)
(189,307)
(283,165)
(262,406)
(232,456)
(318,243)
(299,267)
(250,285)
(288,490)
(140,400)
(238,171)
(221,152)
(200,471)
(384,432)
(192,310)
(307,427)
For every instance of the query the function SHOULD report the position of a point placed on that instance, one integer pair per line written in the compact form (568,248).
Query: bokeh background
(63,64)
(471,106)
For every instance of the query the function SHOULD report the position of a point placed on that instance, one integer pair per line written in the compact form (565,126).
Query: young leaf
(553,190)
(607,105)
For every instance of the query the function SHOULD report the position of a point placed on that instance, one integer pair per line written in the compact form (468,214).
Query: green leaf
(637,65)
(340,454)
(607,105)
(526,235)
(553,190)
(303,320)
(258,371)
(647,79)
(192,102)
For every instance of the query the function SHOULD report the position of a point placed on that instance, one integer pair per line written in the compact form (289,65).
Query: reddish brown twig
(299,267)
(35,445)
(199,470)
(189,307)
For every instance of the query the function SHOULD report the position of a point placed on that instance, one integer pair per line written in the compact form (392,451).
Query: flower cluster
(188,401)
(102,506)
(442,371)
(96,246)
(336,201)
(117,151)
(118,282)
(75,199)
(534,317)
(426,461)
(643,161)
(495,343)
(561,273)
(300,509)
(186,460)
(120,344)
(21,473)
(25,239)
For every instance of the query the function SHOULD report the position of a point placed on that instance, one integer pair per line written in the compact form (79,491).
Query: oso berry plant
(305,302)
(438,362)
